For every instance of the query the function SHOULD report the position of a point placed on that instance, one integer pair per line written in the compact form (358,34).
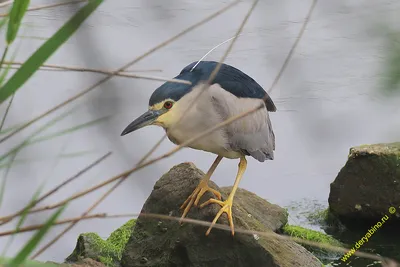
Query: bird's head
(164,102)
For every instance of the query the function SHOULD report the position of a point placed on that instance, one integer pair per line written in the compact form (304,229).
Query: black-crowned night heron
(232,92)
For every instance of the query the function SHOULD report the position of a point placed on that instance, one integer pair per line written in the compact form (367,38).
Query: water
(327,99)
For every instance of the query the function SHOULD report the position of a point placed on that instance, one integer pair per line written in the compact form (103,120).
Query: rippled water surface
(327,100)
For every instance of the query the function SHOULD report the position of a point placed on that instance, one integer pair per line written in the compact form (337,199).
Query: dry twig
(55,67)
(120,74)
(69,227)
(87,217)
(6,3)
(289,56)
(84,92)
(4,220)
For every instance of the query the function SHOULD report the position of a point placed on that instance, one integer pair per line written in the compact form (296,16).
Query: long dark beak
(146,119)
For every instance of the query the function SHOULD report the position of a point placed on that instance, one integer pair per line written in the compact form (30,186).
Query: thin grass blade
(32,140)
(41,129)
(36,159)
(69,130)
(17,13)
(10,129)
(3,76)
(46,50)
(13,152)
(22,218)
(4,72)
(23,255)
(4,180)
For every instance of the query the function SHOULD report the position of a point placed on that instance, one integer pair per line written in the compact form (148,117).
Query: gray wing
(253,134)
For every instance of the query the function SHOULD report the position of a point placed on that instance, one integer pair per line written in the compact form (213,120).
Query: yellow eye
(168,105)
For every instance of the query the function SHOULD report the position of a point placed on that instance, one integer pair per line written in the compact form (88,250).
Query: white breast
(201,117)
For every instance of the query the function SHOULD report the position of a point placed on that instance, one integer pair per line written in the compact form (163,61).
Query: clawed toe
(226,207)
(195,197)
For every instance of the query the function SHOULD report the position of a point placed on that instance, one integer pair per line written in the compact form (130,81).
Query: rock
(86,262)
(165,243)
(258,210)
(108,252)
(367,186)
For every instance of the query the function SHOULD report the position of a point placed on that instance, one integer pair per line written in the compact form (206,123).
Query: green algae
(308,234)
(324,255)
(109,251)
(120,237)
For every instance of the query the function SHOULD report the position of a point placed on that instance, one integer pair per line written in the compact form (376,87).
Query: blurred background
(329,99)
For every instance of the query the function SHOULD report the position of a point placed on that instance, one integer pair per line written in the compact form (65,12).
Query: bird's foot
(194,198)
(226,206)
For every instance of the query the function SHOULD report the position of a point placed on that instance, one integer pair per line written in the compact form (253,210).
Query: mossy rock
(367,186)
(108,252)
(166,243)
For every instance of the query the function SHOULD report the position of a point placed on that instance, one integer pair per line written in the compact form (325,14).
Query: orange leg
(203,187)
(226,206)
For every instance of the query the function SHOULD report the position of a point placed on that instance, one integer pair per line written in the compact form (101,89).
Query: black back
(230,78)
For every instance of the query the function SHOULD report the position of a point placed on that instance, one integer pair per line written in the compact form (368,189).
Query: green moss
(108,261)
(324,255)
(100,250)
(308,234)
(109,251)
(120,237)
